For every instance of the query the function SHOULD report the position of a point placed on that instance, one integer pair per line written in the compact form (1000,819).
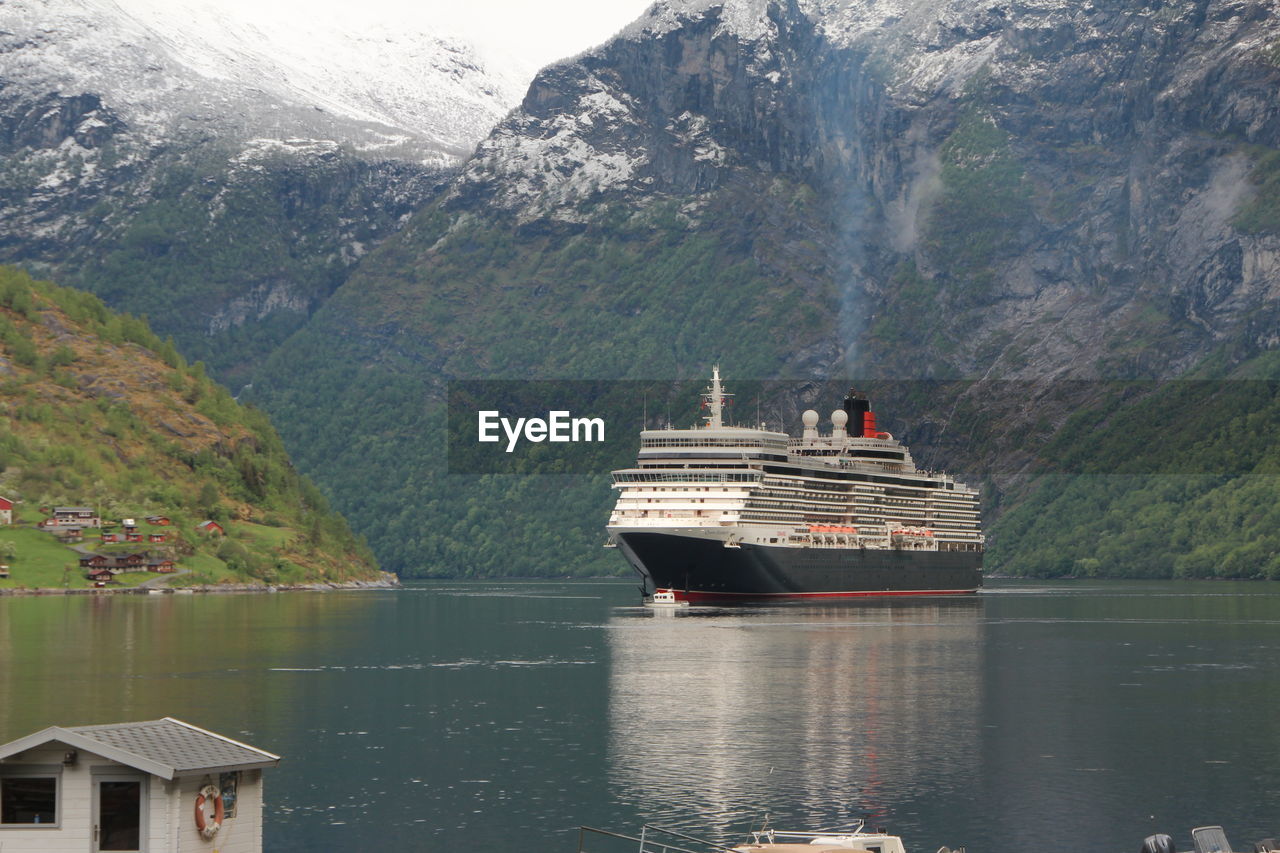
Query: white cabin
(131,788)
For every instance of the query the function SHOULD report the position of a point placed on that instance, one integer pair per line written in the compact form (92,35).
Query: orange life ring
(206,829)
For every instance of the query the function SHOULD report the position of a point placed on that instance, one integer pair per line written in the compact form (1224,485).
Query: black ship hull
(704,571)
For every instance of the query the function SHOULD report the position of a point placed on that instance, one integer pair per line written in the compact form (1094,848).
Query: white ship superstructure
(853,489)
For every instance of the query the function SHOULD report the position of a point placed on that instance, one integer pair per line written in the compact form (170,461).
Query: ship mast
(713,400)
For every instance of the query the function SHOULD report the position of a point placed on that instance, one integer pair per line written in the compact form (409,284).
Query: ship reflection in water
(816,715)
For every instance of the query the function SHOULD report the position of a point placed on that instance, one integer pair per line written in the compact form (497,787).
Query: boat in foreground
(721,514)
(653,839)
(771,841)
(664,599)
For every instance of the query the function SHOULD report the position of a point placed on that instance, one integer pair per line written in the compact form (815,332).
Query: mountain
(97,411)
(219,171)
(1033,191)
(168,69)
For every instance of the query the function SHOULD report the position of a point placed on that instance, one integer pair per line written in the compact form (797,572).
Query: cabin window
(229,783)
(28,797)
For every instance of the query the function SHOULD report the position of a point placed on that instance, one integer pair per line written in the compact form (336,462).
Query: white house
(82,516)
(160,786)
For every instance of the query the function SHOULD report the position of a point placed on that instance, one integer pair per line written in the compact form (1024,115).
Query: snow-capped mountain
(220,165)
(387,88)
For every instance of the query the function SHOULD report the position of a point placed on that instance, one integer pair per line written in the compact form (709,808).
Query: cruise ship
(722,514)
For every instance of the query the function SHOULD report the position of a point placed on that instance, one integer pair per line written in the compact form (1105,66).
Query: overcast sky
(533,32)
(543,31)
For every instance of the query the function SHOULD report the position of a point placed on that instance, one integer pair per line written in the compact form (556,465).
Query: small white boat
(664,598)
(763,841)
(773,841)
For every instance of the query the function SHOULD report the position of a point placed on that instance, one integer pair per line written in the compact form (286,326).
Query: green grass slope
(95,410)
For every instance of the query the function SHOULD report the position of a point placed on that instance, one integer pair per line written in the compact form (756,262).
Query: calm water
(1041,717)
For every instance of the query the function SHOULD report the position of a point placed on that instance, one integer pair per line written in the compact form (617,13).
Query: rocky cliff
(1096,170)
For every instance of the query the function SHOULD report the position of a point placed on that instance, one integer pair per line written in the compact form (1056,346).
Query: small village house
(117,563)
(158,520)
(210,526)
(6,511)
(159,785)
(81,516)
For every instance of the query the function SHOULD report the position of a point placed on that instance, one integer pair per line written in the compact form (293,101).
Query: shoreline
(386,580)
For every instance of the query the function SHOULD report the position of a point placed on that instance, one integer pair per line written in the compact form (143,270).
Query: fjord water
(493,716)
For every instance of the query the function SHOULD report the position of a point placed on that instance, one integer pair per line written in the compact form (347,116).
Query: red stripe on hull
(696,597)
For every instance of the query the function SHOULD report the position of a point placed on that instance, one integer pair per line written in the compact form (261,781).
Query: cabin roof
(167,748)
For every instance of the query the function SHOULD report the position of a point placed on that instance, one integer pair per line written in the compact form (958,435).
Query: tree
(208,500)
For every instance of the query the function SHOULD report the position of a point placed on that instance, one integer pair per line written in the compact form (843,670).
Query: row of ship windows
(811,496)
(670,501)
(902,488)
(877,494)
(783,500)
(761,514)
(712,442)
(687,477)
(777,499)
(681,489)
(670,514)
(916,509)
(910,492)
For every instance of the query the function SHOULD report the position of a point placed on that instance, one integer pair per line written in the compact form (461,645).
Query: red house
(102,575)
(158,520)
(210,526)
(155,537)
(164,567)
(111,537)
(6,511)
